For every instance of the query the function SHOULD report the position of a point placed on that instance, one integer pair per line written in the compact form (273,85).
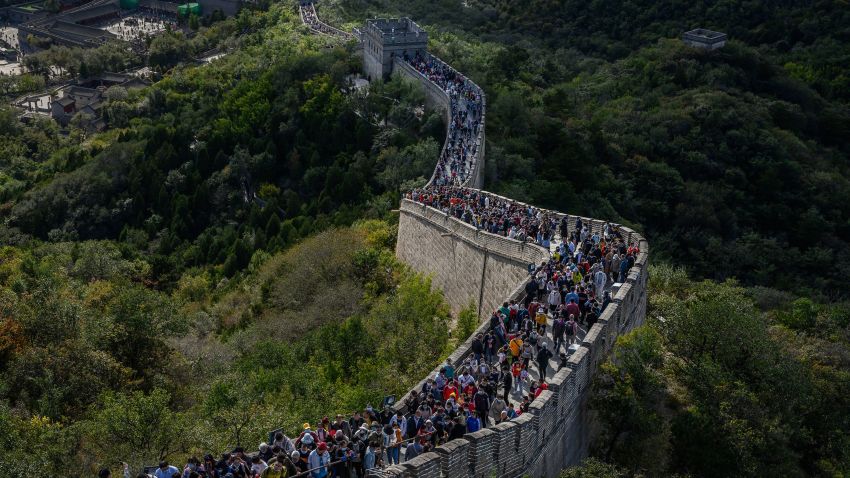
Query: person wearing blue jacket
(472,424)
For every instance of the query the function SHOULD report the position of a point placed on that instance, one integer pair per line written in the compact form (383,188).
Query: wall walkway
(471,265)
(555,434)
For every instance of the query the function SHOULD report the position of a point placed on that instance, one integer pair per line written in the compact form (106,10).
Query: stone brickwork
(426,465)
(454,457)
(555,434)
(482,445)
(469,265)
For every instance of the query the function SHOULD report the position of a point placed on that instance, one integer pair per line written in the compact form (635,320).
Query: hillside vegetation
(724,381)
(126,373)
(219,262)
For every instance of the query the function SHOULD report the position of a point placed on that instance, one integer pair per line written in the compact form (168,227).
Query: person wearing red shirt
(448,390)
(573,309)
(543,386)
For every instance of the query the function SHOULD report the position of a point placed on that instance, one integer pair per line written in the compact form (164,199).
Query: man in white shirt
(165,470)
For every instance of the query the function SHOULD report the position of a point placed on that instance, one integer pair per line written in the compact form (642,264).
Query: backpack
(359,448)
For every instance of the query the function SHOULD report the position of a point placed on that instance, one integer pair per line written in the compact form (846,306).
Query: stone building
(384,39)
(702,38)
(88,98)
(79,100)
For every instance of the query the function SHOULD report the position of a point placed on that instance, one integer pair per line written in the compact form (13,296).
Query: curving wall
(309,17)
(473,266)
(555,433)
(436,98)
(470,265)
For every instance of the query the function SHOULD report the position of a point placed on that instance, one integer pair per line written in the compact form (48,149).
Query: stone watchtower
(384,39)
(705,39)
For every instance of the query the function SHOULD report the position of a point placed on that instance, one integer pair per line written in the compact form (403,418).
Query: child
(516,372)
(523,377)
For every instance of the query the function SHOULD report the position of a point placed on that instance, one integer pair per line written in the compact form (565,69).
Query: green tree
(136,428)
(628,389)
(166,50)
(594,468)
(467,323)
(230,406)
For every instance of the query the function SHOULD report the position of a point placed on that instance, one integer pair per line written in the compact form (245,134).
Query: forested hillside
(724,381)
(111,370)
(181,282)
(220,161)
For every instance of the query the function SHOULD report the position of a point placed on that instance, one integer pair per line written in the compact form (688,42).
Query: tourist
(543,357)
(319,460)
(571,329)
(276,470)
(507,384)
(165,470)
(559,327)
(482,406)
(389,444)
(343,458)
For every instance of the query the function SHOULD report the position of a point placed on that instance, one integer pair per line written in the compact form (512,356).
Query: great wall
(473,266)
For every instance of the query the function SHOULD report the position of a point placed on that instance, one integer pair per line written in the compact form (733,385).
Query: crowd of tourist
(605,249)
(141,25)
(526,342)
(491,213)
(457,160)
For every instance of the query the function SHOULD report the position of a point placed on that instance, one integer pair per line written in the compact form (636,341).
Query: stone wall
(383,40)
(469,265)
(472,266)
(475,266)
(436,98)
(555,433)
